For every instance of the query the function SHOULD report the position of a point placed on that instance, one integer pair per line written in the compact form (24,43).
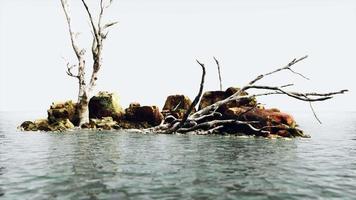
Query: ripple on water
(106,165)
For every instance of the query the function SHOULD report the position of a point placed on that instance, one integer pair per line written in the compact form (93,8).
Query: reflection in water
(119,165)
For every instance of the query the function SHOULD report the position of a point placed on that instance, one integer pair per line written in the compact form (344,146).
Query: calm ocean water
(119,165)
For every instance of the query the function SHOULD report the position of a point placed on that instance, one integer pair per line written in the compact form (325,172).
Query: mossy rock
(28,126)
(45,125)
(105,104)
(62,111)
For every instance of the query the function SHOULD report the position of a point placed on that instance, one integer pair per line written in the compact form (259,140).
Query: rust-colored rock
(177,105)
(212,97)
(264,116)
(139,114)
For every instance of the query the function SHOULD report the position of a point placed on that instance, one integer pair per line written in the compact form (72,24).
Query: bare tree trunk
(100,33)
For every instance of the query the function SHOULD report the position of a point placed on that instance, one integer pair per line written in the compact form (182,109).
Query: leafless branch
(219,72)
(287,67)
(95,30)
(194,103)
(75,47)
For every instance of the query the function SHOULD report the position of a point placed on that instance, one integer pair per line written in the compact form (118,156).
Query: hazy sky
(151,52)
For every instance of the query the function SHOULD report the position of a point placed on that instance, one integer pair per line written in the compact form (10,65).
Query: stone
(266,117)
(61,111)
(43,125)
(28,126)
(177,106)
(62,125)
(105,104)
(174,102)
(139,114)
(211,97)
(105,123)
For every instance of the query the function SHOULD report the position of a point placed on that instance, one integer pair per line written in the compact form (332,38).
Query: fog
(151,52)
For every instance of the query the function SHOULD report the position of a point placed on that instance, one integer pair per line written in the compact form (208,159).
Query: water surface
(120,165)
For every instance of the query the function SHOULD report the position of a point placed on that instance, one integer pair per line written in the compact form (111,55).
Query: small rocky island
(233,111)
(106,113)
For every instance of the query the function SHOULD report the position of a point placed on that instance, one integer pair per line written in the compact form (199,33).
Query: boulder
(60,111)
(176,105)
(45,125)
(211,97)
(105,104)
(265,117)
(105,123)
(138,114)
(62,125)
(125,124)
(28,126)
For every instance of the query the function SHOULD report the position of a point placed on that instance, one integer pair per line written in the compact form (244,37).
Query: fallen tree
(245,118)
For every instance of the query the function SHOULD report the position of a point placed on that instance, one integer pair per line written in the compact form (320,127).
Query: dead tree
(100,32)
(208,120)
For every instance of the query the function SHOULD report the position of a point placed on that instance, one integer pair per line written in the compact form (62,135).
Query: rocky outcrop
(211,97)
(176,105)
(146,116)
(266,117)
(45,125)
(273,120)
(60,111)
(105,104)
(105,123)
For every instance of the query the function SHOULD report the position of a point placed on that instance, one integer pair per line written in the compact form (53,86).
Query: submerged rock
(177,106)
(105,104)
(62,111)
(149,115)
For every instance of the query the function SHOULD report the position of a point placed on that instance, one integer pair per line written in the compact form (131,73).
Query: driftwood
(209,120)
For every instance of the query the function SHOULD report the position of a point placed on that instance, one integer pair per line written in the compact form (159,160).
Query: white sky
(151,52)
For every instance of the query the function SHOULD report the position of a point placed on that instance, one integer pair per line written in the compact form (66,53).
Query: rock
(62,125)
(105,104)
(125,124)
(28,126)
(175,102)
(265,117)
(140,114)
(63,111)
(105,123)
(89,125)
(211,97)
(176,105)
(43,125)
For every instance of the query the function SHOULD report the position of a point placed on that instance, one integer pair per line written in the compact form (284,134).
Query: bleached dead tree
(99,32)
